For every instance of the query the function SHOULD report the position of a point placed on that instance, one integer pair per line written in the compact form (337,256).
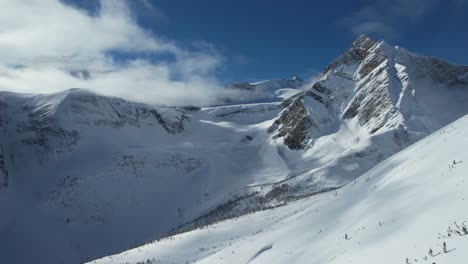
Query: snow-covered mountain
(371,102)
(90,175)
(404,210)
(264,91)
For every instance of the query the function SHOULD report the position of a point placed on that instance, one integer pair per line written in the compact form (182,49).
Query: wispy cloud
(48,46)
(386,18)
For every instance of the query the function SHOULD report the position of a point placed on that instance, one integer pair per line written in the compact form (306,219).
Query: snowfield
(401,211)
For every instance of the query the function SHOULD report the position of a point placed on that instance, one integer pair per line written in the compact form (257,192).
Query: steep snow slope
(401,211)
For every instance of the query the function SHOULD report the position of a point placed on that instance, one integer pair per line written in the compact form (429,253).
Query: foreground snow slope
(397,212)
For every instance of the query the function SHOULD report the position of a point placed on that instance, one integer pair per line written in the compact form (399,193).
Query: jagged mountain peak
(363,42)
(384,88)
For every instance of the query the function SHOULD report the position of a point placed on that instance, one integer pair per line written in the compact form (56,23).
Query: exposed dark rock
(438,70)
(358,51)
(315,96)
(247,138)
(91,110)
(247,109)
(373,102)
(189,108)
(243,86)
(54,139)
(171,126)
(318,86)
(286,103)
(295,123)
(242,110)
(371,62)
(352,110)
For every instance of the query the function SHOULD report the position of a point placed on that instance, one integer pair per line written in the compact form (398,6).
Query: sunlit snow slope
(401,211)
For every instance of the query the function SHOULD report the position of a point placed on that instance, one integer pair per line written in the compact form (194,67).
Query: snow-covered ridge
(263,91)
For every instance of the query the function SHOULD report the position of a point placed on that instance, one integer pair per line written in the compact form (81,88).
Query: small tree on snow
(465,231)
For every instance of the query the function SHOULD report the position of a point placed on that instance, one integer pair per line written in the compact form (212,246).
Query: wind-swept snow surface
(411,208)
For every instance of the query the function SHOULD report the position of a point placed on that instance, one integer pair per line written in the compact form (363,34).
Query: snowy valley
(84,176)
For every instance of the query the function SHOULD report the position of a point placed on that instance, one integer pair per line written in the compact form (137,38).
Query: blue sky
(180,52)
(265,39)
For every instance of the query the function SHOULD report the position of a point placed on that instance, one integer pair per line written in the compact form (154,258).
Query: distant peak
(295,78)
(364,42)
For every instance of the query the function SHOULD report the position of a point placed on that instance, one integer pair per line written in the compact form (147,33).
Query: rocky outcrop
(53,140)
(435,69)
(372,104)
(41,131)
(245,109)
(358,51)
(90,109)
(173,125)
(243,86)
(296,123)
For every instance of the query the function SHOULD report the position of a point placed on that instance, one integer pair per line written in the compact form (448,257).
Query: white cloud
(42,41)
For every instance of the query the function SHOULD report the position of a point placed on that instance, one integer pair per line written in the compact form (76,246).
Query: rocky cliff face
(94,110)
(294,124)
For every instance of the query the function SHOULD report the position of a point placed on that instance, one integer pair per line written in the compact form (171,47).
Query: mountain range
(83,175)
